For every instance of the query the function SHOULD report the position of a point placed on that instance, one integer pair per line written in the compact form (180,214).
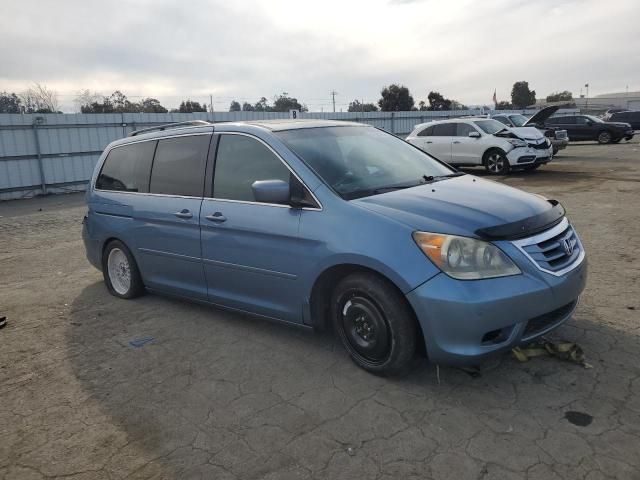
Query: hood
(540,117)
(462,206)
(527,133)
(619,124)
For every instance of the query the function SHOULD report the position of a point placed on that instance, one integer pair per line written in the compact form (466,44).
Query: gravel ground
(219,395)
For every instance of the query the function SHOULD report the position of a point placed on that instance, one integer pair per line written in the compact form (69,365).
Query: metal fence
(55,153)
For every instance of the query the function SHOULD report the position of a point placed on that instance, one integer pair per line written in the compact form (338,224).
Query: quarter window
(126,168)
(426,132)
(178,167)
(240,161)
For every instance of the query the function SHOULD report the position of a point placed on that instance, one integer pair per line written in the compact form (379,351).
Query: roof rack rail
(168,126)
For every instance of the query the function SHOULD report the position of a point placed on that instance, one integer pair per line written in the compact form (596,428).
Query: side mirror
(474,134)
(271,191)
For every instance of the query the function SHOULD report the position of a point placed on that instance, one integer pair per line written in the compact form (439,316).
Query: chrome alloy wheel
(119,271)
(496,163)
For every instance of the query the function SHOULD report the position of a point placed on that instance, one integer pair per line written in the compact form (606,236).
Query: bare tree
(40,99)
(86,97)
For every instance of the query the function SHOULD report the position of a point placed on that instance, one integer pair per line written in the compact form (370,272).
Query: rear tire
(375,324)
(120,271)
(604,137)
(496,162)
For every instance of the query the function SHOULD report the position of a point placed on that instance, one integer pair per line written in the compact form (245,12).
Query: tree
(356,106)
(234,107)
(521,96)
(190,106)
(395,98)
(9,103)
(247,107)
(284,103)
(504,106)
(149,105)
(39,99)
(422,106)
(565,96)
(262,105)
(438,102)
(86,98)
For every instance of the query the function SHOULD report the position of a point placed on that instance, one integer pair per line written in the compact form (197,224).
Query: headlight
(465,258)
(516,142)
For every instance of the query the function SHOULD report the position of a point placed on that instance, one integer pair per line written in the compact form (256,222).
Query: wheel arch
(324,285)
(489,150)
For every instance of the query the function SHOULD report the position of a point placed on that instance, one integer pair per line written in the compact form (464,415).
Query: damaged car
(471,141)
(558,136)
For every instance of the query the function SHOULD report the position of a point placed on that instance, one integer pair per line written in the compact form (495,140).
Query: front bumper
(464,322)
(523,156)
(560,144)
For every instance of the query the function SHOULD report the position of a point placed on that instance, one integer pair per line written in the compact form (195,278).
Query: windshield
(518,120)
(362,161)
(594,119)
(489,126)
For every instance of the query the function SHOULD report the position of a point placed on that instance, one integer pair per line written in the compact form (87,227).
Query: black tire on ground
(555,151)
(604,137)
(495,162)
(532,167)
(375,324)
(617,140)
(120,271)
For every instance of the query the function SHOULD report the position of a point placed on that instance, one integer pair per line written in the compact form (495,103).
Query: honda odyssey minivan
(325,223)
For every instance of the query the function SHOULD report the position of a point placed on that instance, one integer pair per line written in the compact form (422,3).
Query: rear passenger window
(444,130)
(126,168)
(464,129)
(240,161)
(178,167)
(426,132)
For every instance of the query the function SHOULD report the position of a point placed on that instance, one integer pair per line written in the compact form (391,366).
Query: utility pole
(211,102)
(333,99)
(586,85)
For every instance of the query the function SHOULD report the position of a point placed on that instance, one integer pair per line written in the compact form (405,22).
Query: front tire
(375,324)
(120,271)
(496,162)
(604,137)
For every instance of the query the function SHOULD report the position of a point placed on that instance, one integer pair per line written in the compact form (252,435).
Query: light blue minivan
(325,223)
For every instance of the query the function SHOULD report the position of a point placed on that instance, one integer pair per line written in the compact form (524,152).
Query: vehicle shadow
(204,392)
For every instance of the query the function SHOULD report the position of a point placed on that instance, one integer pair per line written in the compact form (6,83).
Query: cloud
(248,49)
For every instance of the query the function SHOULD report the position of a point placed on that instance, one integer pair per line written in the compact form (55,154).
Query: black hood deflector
(526,227)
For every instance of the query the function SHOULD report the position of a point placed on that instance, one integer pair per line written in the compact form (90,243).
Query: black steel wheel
(374,324)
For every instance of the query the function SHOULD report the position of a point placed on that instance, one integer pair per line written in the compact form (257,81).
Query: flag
(495,100)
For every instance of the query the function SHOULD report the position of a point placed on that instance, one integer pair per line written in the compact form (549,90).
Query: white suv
(483,141)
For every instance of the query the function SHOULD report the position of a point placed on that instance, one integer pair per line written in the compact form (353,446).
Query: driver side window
(240,161)
(582,120)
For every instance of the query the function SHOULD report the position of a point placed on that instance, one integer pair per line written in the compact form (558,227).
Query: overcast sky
(246,49)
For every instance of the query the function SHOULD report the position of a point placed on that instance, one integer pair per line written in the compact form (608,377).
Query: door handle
(457,141)
(184,214)
(429,141)
(216,217)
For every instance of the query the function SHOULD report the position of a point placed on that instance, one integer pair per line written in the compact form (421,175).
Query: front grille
(555,251)
(540,146)
(544,322)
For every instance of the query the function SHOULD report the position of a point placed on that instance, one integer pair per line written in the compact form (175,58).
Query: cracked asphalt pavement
(216,395)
